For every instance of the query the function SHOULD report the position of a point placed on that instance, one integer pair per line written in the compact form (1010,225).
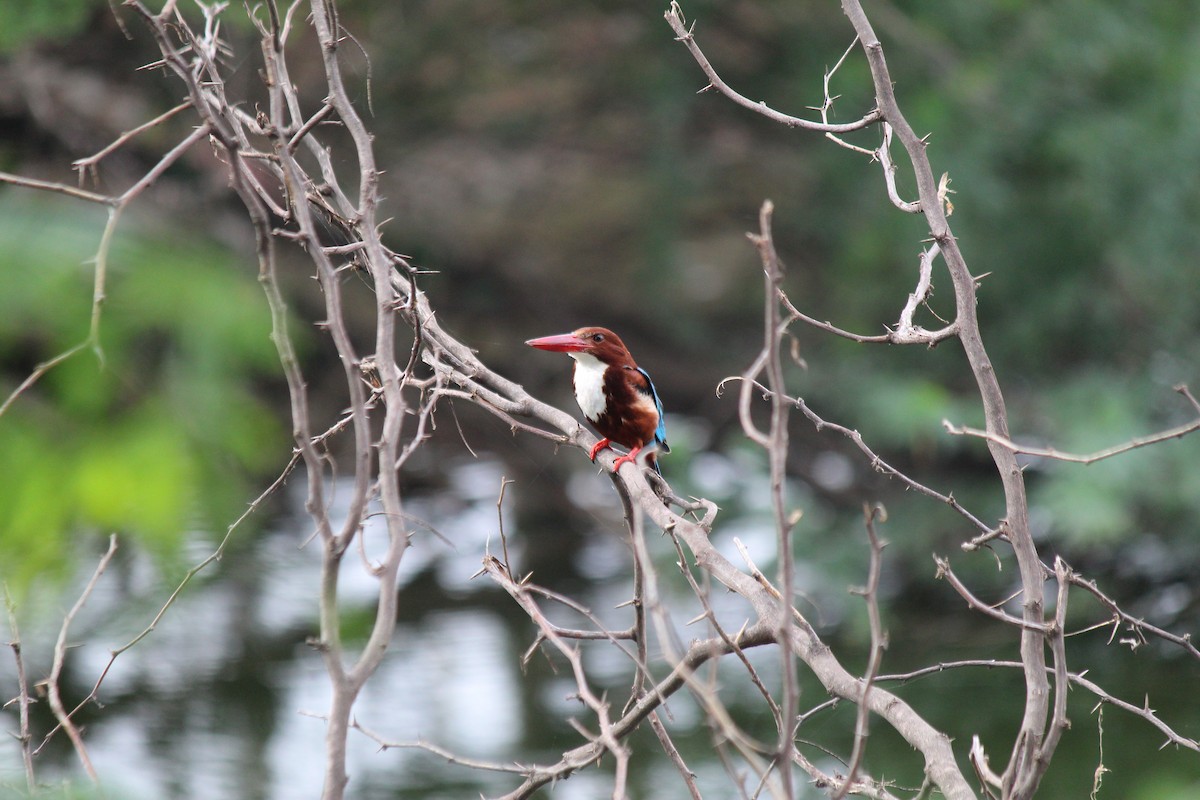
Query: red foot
(597,447)
(631,458)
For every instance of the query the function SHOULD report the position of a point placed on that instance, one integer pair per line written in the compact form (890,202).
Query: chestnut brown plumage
(616,395)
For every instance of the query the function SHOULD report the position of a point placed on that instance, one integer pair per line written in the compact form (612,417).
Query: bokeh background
(553,165)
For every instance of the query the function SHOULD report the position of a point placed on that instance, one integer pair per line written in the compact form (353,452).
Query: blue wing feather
(660,433)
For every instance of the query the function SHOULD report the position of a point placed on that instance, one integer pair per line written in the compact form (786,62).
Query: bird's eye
(597,337)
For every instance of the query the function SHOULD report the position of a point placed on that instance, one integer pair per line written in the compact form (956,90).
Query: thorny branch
(878,645)
(23,700)
(775,442)
(683,33)
(1040,730)
(1177,432)
(269,158)
(52,683)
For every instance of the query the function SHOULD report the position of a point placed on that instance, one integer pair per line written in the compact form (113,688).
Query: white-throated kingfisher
(615,395)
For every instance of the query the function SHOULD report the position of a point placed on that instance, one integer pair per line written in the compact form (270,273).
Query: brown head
(599,342)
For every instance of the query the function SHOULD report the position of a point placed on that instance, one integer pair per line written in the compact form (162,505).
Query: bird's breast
(589,385)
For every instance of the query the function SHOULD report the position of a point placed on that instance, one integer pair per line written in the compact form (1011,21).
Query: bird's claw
(597,447)
(629,459)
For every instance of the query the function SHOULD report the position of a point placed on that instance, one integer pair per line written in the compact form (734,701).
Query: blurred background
(554,166)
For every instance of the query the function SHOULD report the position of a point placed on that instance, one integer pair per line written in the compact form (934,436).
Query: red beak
(561,343)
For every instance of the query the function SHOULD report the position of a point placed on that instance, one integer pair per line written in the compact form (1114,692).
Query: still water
(224,699)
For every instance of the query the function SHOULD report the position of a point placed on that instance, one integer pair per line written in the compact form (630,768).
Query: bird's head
(600,343)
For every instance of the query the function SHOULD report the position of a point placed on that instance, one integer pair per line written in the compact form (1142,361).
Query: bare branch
(270,155)
(921,293)
(1024,775)
(878,645)
(776,445)
(884,154)
(1058,647)
(944,571)
(827,104)
(40,370)
(51,683)
(23,700)
(877,463)
(57,188)
(84,165)
(1177,432)
(683,33)
(1119,615)
(668,746)
(441,752)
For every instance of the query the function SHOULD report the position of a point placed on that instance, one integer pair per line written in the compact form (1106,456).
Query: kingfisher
(615,395)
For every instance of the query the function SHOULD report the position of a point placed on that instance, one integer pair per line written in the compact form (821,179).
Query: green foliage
(158,435)
(22,22)
(1117,498)
(1165,787)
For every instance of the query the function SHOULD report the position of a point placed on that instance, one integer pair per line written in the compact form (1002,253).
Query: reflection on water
(224,699)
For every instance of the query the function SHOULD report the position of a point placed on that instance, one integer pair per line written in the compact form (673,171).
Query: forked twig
(53,690)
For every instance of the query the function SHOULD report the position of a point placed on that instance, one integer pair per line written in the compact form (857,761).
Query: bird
(615,395)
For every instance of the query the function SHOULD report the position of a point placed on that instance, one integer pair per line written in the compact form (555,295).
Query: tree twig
(23,699)
(878,644)
(683,33)
(53,690)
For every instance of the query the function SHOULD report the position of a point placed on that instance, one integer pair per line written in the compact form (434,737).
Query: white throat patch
(589,385)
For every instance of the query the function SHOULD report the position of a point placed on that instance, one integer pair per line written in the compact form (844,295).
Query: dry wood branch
(1078,679)
(730,641)
(878,645)
(860,787)
(1058,647)
(645,593)
(607,739)
(40,370)
(192,56)
(88,165)
(668,746)
(381,435)
(884,154)
(1098,775)
(776,445)
(1024,773)
(705,693)
(697,654)
(1119,615)
(911,334)
(1144,711)
(57,188)
(116,205)
(1187,393)
(920,294)
(944,571)
(877,463)
(849,783)
(598,632)
(441,752)
(827,104)
(23,699)
(1177,432)
(53,690)
(215,555)
(683,33)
